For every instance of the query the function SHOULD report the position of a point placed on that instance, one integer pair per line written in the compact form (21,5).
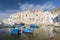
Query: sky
(8,7)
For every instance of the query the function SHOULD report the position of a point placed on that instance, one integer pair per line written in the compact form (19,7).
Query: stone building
(33,16)
(56,12)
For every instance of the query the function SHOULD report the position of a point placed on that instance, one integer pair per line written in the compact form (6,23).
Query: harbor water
(41,33)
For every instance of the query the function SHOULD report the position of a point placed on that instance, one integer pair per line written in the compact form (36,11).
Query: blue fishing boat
(28,31)
(20,24)
(15,31)
(34,26)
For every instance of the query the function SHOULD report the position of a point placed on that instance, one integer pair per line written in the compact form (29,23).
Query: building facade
(56,12)
(5,21)
(32,16)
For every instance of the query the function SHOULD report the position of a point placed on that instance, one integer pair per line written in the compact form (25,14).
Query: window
(36,14)
(26,15)
(32,19)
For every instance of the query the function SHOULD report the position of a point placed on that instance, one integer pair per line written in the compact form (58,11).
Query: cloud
(9,11)
(26,6)
(6,14)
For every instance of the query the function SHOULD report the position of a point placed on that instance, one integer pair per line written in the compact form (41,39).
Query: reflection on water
(5,34)
(41,33)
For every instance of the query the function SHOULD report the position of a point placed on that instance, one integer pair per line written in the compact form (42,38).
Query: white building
(32,16)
